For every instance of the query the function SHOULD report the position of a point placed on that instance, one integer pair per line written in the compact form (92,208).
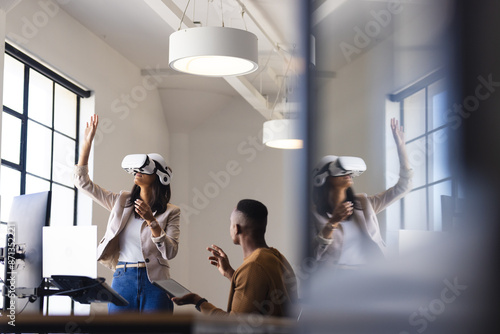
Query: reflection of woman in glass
(347,232)
(142,232)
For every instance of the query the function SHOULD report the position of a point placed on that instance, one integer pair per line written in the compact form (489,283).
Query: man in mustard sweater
(264,283)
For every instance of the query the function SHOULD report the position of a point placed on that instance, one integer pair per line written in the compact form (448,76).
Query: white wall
(352,113)
(228,162)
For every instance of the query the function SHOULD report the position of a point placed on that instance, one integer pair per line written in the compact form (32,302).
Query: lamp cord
(208,7)
(27,302)
(281,87)
(262,68)
(184,14)
(243,17)
(194,10)
(222,13)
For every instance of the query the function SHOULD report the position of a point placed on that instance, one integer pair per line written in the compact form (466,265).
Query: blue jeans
(133,285)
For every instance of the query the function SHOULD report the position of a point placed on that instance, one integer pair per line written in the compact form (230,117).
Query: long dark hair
(161,194)
(320,199)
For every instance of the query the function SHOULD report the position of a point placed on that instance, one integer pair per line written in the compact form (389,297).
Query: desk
(147,323)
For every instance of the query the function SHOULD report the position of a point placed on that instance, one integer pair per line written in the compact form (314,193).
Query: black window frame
(399,97)
(32,64)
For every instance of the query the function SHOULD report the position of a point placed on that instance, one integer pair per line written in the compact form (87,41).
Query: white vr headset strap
(319,179)
(164,177)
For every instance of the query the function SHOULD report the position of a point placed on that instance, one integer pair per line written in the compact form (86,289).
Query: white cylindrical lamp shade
(282,133)
(213,51)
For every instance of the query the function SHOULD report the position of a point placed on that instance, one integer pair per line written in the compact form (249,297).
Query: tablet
(172,287)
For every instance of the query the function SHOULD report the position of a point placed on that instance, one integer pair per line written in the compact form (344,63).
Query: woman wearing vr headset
(347,232)
(142,233)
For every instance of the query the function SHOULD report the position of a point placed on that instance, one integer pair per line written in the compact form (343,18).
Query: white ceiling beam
(163,72)
(275,77)
(251,95)
(325,9)
(273,36)
(172,15)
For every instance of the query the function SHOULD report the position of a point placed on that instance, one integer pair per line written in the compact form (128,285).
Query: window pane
(415,210)
(65,111)
(414,115)
(35,184)
(437,104)
(436,213)
(39,150)
(439,155)
(64,159)
(63,200)
(9,186)
(417,157)
(11,138)
(40,98)
(13,84)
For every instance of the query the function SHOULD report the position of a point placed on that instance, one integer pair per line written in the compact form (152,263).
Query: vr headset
(145,164)
(337,166)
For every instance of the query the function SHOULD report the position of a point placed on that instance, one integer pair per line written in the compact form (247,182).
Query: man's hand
(220,260)
(190,298)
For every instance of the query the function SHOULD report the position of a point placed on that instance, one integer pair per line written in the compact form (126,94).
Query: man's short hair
(255,213)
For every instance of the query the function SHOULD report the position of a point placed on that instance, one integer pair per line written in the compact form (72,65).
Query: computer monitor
(28,215)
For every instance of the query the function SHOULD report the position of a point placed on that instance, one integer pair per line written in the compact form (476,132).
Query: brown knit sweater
(264,284)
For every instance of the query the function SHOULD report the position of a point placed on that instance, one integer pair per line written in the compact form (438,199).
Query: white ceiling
(140,30)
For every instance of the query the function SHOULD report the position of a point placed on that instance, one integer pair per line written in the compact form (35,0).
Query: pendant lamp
(213,51)
(282,133)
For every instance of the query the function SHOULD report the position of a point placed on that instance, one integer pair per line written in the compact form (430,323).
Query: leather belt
(131,265)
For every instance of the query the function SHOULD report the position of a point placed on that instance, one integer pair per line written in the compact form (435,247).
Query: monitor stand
(82,289)
(85,290)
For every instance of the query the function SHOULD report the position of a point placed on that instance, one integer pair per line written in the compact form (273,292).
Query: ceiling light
(213,51)
(282,133)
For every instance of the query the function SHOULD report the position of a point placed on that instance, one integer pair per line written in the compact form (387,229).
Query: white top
(130,241)
(355,250)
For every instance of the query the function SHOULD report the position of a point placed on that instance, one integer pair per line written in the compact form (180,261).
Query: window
(422,110)
(39,136)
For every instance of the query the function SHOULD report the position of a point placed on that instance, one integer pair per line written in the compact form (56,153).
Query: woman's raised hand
(397,132)
(399,138)
(88,137)
(91,129)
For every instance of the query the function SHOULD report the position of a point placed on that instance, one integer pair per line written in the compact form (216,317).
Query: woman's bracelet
(198,304)
(332,226)
(153,224)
